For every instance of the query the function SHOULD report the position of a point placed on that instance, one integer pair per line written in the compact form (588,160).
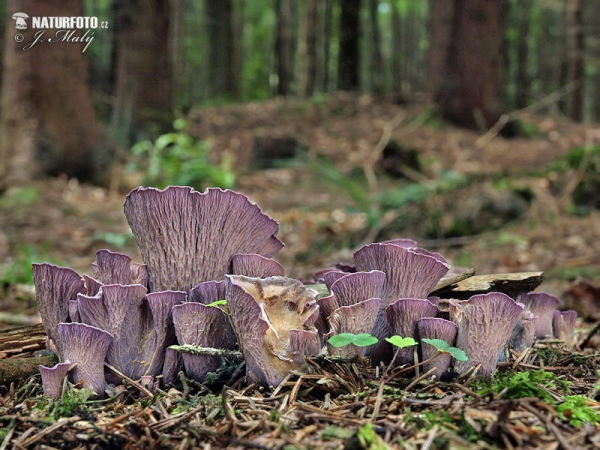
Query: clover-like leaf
(457,353)
(218,303)
(401,342)
(443,347)
(360,340)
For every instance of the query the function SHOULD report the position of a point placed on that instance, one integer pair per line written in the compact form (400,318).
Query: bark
(348,54)
(143,74)
(327,30)
(575,52)
(377,69)
(284,47)
(523,81)
(312,25)
(396,57)
(465,59)
(47,123)
(221,78)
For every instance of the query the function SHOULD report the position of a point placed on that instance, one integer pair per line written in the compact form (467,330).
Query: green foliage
(18,269)
(218,303)
(400,342)
(577,411)
(526,384)
(360,340)
(443,347)
(333,432)
(73,402)
(19,197)
(118,240)
(179,158)
(369,439)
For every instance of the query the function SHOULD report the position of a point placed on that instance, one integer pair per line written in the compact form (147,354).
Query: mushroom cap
(172,366)
(207,292)
(206,326)
(266,315)
(356,287)
(563,324)
(53,378)
(257,266)
(54,287)
(523,334)
(485,323)
(117,268)
(410,273)
(542,305)
(436,328)
(187,237)
(85,346)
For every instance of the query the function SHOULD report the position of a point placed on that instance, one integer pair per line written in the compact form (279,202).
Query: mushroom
(117,268)
(253,265)
(563,324)
(54,287)
(85,346)
(485,323)
(542,305)
(402,316)
(207,292)
(206,326)
(53,379)
(274,320)
(172,366)
(523,334)
(436,328)
(19,19)
(187,237)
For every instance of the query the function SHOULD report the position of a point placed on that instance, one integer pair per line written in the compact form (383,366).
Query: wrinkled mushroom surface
(53,379)
(542,305)
(436,328)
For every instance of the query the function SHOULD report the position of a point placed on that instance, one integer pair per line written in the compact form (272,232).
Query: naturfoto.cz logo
(67,29)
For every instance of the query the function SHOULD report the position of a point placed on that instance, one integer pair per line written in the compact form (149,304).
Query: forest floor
(497,205)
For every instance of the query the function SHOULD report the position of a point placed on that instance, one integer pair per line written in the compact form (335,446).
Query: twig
(134,383)
(207,351)
(51,429)
(430,437)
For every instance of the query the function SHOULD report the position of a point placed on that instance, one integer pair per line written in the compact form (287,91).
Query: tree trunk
(349,55)
(377,68)
(312,25)
(327,30)
(220,62)
(522,81)
(465,59)
(47,122)
(143,74)
(575,51)
(396,56)
(284,47)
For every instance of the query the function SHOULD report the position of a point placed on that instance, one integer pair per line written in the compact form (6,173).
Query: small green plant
(369,439)
(400,342)
(360,340)
(443,347)
(577,411)
(218,303)
(118,240)
(179,158)
(18,269)
(536,384)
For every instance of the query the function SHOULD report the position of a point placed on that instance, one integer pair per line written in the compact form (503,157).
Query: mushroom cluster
(203,250)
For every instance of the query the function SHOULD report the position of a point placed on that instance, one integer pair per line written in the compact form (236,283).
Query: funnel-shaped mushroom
(172,366)
(187,237)
(542,305)
(356,319)
(273,319)
(53,378)
(485,323)
(523,334)
(563,324)
(256,266)
(54,287)
(206,326)
(350,289)
(117,268)
(207,292)
(402,242)
(141,325)
(85,346)
(436,328)
(410,273)
(402,315)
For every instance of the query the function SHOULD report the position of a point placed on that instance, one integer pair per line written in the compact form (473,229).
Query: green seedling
(218,303)
(400,342)
(359,340)
(443,347)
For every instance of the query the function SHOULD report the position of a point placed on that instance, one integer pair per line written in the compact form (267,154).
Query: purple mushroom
(172,366)
(485,323)
(523,334)
(207,292)
(542,305)
(436,328)
(256,266)
(206,326)
(53,379)
(402,316)
(85,346)
(54,287)
(187,237)
(274,321)
(117,268)
(563,324)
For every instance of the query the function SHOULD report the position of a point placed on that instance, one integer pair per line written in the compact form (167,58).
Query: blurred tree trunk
(327,29)
(377,69)
(465,59)
(575,51)
(284,47)
(312,25)
(522,11)
(396,57)
(143,74)
(549,48)
(349,54)
(221,77)
(47,123)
